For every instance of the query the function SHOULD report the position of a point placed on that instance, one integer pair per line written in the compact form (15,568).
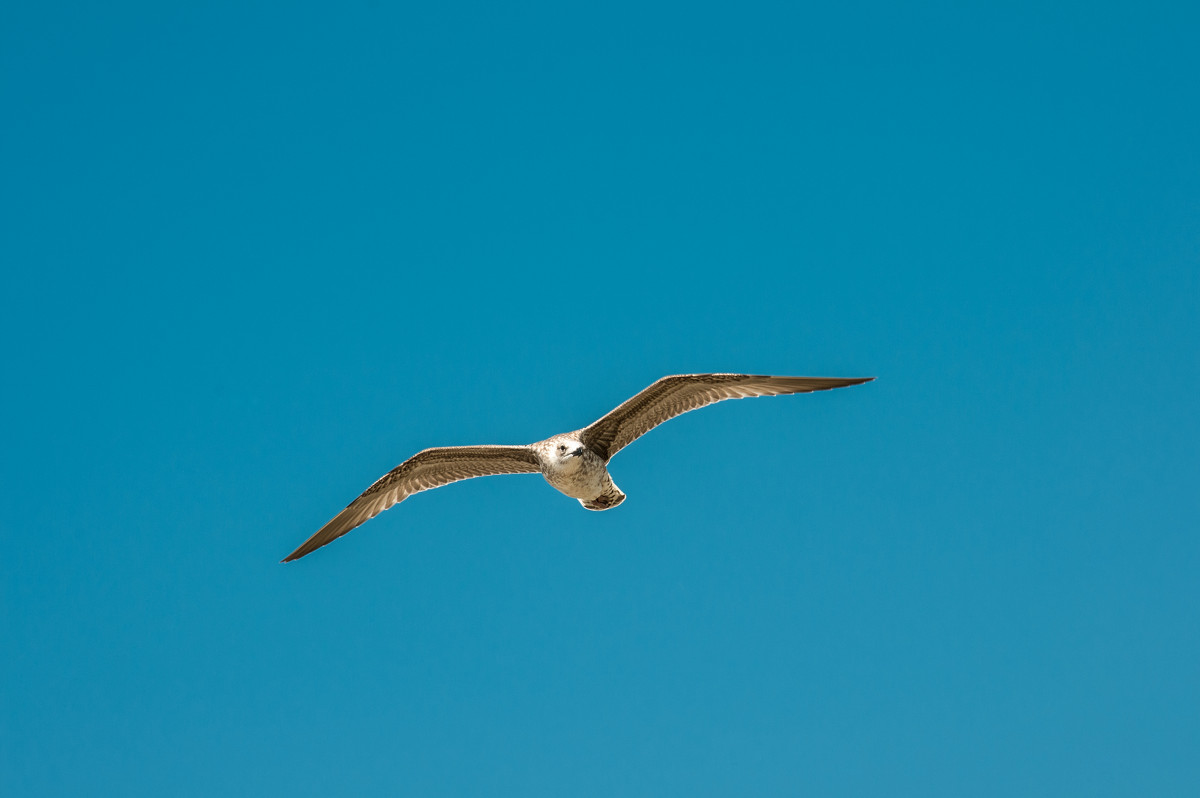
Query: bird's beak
(577,453)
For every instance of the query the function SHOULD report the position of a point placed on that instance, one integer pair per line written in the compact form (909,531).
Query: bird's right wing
(431,468)
(671,396)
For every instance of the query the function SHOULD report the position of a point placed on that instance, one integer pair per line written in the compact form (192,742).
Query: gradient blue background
(255,256)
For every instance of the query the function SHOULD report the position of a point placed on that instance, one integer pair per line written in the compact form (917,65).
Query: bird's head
(566,452)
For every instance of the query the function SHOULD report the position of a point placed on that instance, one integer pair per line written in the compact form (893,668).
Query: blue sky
(232,233)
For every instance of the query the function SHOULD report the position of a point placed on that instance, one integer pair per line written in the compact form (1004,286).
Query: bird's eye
(562,447)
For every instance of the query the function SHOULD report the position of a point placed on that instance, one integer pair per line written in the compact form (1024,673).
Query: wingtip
(846,382)
(295,555)
(843,382)
(309,546)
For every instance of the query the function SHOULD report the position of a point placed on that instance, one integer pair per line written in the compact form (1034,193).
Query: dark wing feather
(431,468)
(671,396)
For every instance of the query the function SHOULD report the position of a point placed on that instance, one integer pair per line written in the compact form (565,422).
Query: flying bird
(574,463)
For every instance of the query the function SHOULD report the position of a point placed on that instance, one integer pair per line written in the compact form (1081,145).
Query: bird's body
(574,463)
(572,468)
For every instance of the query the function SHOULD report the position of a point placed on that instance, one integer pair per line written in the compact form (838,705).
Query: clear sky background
(254,256)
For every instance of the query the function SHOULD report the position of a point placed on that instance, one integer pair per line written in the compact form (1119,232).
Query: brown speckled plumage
(575,463)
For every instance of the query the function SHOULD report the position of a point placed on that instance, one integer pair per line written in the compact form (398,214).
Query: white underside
(582,484)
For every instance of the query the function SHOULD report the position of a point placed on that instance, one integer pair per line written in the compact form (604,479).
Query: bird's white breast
(583,477)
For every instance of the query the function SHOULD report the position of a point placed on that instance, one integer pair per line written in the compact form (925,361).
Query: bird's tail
(605,501)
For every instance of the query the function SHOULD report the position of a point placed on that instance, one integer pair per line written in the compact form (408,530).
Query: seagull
(574,463)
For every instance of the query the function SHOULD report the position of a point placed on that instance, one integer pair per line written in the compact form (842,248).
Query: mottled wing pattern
(431,468)
(671,396)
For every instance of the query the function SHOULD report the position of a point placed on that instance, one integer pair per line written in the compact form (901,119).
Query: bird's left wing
(430,468)
(680,393)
